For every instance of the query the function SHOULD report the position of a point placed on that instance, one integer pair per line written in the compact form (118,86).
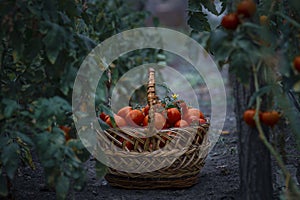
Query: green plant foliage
(263,50)
(42,46)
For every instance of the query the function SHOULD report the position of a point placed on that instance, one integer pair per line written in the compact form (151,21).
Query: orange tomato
(202,121)
(194,112)
(192,119)
(263,20)
(181,123)
(135,117)
(159,119)
(124,111)
(120,122)
(248,117)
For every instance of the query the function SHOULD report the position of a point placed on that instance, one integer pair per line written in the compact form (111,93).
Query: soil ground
(219,178)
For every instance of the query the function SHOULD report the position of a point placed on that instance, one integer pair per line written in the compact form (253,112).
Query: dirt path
(219,179)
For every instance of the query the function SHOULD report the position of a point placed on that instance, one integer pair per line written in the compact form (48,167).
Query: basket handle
(152,99)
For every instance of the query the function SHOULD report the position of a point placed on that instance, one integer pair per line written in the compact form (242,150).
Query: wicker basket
(181,164)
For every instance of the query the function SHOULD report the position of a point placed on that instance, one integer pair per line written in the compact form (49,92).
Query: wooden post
(254,157)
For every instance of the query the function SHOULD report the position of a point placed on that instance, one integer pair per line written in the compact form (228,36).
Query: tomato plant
(262,53)
(42,46)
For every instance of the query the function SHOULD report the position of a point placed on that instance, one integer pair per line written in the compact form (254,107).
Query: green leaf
(24,138)
(101,169)
(219,45)
(223,5)
(155,21)
(239,64)
(35,45)
(295,4)
(18,44)
(62,187)
(194,6)
(210,6)
(198,21)
(54,41)
(106,110)
(3,141)
(3,186)
(259,93)
(10,107)
(10,159)
(287,106)
(88,43)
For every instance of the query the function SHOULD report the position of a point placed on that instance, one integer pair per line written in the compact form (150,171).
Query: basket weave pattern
(180,165)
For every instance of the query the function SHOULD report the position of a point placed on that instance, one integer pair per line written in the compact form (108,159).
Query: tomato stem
(290,184)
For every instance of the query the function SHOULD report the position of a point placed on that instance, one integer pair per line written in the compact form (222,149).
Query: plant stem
(262,136)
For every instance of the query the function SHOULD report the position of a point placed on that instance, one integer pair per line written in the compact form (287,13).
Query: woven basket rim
(161,151)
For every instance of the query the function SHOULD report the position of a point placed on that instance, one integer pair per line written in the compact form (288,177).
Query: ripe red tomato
(173,115)
(159,119)
(145,110)
(124,111)
(230,21)
(120,122)
(103,116)
(184,107)
(249,117)
(167,125)
(66,130)
(194,112)
(129,145)
(202,121)
(297,63)
(135,117)
(191,119)
(181,123)
(246,8)
(270,118)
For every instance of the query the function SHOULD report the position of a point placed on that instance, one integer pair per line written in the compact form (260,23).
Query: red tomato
(124,111)
(270,118)
(181,123)
(135,117)
(66,130)
(297,63)
(246,8)
(230,21)
(159,119)
(173,115)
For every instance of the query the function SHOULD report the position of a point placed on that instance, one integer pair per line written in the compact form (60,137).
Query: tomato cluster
(269,118)
(245,9)
(165,117)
